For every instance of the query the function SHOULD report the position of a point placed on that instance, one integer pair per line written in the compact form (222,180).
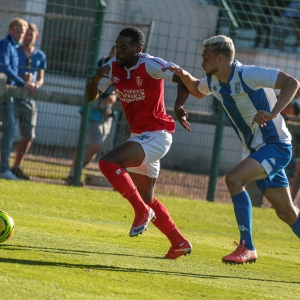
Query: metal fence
(74,34)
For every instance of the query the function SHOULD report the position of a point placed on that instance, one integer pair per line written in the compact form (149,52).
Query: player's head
(17,29)
(111,98)
(31,35)
(217,50)
(129,45)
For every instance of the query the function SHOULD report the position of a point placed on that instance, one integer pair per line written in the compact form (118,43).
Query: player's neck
(28,49)
(225,73)
(133,63)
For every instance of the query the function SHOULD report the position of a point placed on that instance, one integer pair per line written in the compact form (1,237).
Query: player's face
(30,37)
(127,53)
(209,61)
(18,33)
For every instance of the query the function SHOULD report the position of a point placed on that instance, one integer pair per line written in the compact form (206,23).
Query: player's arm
(91,91)
(189,81)
(182,96)
(288,86)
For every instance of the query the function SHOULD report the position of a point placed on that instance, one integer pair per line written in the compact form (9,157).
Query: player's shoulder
(152,60)
(252,68)
(41,52)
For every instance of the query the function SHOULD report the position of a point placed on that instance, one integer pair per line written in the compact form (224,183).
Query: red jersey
(141,91)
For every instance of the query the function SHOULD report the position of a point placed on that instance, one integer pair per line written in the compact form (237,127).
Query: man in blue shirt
(248,99)
(9,61)
(32,65)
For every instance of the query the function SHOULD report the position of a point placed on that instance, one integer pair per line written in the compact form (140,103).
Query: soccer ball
(7,226)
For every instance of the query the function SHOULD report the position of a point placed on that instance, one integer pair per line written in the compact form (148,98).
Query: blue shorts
(274,158)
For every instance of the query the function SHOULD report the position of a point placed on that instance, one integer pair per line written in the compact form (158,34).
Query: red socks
(122,182)
(165,223)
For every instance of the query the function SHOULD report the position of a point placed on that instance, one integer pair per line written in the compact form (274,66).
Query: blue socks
(243,214)
(296,227)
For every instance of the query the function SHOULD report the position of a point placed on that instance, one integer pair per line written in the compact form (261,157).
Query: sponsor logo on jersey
(215,88)
(129,95)
(237,87)
(243,228)
(272,160)
(139,80)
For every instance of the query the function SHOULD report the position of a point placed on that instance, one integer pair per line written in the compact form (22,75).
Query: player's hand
(262,117)
(181,115)
(101,72)
(175,69)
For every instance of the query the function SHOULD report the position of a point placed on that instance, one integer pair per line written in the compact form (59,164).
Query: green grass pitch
(73,243)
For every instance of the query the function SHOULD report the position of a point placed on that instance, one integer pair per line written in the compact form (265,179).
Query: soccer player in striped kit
(247,96)
(133,166)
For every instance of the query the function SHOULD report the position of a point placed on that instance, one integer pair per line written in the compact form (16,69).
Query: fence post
(233,29)
(99,18)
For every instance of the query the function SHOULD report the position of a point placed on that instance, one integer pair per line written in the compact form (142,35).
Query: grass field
(73,243)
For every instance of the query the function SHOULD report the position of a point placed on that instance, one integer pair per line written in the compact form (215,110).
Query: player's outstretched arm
(91,91)
(189,81)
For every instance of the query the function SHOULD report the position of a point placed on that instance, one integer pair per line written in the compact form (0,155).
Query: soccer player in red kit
(133,166)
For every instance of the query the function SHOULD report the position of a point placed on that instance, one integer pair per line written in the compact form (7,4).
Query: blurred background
(76,34)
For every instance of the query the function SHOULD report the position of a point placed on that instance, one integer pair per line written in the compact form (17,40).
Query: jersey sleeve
(104,83)
(154,66)
(259,77)
(203,86)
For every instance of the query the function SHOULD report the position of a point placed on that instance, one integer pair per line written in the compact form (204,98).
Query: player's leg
(112,165)
(261,166)
(236,179)
(281,200)
(296,180)
(145,185)
(27,115)
(247,171)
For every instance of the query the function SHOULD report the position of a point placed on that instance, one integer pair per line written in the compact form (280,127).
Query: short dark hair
(33,27)
(137,36)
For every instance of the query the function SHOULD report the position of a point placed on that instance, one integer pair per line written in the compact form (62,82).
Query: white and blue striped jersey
(249,89)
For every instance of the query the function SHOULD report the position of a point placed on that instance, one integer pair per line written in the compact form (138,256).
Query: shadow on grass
(65,251)
(90,268)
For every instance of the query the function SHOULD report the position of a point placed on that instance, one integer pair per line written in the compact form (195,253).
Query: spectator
(292,12)
(100,123)
(32,65)
(9,62)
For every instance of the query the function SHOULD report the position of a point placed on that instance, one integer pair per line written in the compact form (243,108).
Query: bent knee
(232,181)
(289,217)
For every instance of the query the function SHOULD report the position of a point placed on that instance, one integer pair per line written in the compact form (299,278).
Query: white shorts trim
(155,144)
